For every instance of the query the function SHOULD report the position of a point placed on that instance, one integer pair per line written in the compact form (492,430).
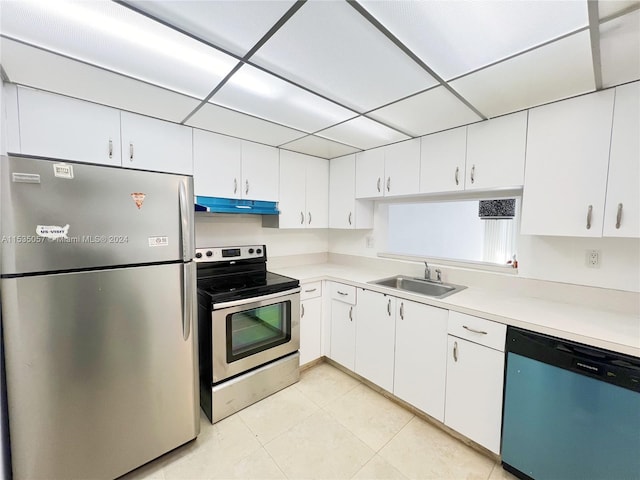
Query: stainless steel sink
(420,285)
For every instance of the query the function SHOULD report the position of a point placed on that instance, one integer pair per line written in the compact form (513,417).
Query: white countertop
(600,328)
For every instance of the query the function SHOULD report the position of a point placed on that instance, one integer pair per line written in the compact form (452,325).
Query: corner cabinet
(344,210)
(567,163)
(61,127)
(304,191)
(152,144)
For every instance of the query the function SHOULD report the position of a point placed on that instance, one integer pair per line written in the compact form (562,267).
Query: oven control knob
(209,253)
(198,255)
(251,250)
(259,251)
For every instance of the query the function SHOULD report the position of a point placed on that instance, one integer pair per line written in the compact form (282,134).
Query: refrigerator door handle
(188,275)
(186,219)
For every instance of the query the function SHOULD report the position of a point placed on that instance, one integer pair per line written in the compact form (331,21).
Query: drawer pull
(310,290)
(474,330)
(342,293)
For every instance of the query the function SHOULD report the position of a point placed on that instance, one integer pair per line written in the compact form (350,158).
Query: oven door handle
(260,298)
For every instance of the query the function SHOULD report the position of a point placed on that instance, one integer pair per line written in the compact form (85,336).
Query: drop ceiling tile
(330,48)
(454,38)
(558,70)
(252,91)
(114,37)
(607,8)
(362,133)
(431,111)
(319,147)
(620,49)
(37,68)
(232,25)
(236,124)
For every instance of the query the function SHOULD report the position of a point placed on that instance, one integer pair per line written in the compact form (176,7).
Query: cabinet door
(421,356)
(61,127)
(402,168)
(343,333)
(370,173)
(623,194)
(567,161)
(260,172)
(342,179)
(216,165)
(375,338)
(442,161)
(310,329)
(292,190)
(495,152)
(473,403)
(152,144)
(317,193)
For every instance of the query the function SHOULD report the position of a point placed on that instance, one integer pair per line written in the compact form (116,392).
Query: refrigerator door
(58,216)
(100,378)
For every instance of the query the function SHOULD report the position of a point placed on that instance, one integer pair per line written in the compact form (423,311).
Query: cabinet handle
(350,215)
(351,314)
(589,213)
(474,330)
(342,293)
(378,184)
(402,311)
(389,307)
(110,148)
(302,310)
(246,188)
(619,216)
(310,290)
(455,351)
(457,175)
(473,174)
(131,152)
(388,184)
(301,218)
(235,186)
(309,218)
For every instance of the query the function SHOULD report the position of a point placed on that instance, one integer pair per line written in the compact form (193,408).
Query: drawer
(343,293)
(310,290)
(478,330)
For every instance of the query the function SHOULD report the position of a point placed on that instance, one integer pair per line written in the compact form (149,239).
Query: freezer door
(63,216)
(100,378)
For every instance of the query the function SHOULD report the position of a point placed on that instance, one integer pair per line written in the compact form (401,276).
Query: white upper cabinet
(622,207)
(344,210)
(402,168)
(259,171)
(567,160)
(61,127)
(370,173)
(304,191)
(495,152)
(216,165)
(152,144)
(442,161)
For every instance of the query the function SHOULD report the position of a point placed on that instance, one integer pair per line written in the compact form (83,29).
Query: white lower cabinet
(343,325)
(421,356)
(475,373)
(310,322)
(375,338)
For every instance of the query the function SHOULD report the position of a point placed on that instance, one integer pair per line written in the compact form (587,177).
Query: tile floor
(327,426)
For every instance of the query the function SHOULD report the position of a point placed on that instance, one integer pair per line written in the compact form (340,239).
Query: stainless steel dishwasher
(570,411)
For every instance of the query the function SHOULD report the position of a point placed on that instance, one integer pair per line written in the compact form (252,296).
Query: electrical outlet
(371,241)
(593,258)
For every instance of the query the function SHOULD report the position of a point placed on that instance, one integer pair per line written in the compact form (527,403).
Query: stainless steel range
(249,329)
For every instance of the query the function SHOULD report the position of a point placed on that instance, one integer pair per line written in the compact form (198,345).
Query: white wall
(221,230)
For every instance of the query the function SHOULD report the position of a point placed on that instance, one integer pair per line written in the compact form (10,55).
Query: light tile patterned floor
(327,426)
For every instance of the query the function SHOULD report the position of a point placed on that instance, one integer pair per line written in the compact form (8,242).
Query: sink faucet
(427,271)
(438,275)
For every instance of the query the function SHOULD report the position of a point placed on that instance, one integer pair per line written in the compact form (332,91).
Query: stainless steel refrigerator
(98,299)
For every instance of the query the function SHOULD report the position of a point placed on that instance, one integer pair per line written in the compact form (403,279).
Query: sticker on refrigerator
(158,241)
(63,170)
(138,197)
(25,177)
(52,231)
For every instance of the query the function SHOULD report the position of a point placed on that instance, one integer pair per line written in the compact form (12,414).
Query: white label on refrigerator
(158,241)
(26,177)
(63,170)
(52,231)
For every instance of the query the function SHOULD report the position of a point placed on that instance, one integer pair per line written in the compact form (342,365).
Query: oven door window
(258,329)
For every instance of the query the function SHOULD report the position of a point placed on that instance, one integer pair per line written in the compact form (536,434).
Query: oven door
(251,332)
